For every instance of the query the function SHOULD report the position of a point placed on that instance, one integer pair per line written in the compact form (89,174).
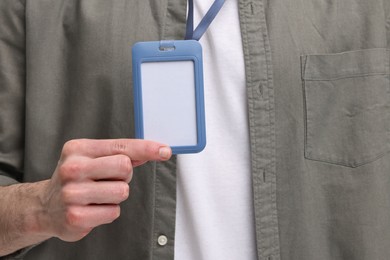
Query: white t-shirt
(215,218)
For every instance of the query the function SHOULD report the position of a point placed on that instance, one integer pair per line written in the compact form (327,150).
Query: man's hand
(91,180)
(85,191)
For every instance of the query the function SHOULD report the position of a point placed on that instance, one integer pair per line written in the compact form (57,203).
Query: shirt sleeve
(12,90)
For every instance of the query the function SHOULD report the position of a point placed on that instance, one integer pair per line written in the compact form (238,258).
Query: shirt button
(162,240)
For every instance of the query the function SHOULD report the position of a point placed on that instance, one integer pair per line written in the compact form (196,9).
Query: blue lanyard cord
(206,21)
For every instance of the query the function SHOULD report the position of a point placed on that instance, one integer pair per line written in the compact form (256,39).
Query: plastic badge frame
(160,52)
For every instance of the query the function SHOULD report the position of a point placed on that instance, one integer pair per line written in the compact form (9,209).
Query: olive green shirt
(317,77)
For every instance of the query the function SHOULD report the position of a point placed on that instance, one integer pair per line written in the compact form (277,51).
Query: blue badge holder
(168,94)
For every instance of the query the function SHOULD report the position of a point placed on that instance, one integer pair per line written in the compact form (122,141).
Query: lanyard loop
(204,23)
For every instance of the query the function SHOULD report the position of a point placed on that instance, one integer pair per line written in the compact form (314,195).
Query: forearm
(21,213)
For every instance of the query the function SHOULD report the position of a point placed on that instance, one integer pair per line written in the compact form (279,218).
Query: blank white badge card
(168,94)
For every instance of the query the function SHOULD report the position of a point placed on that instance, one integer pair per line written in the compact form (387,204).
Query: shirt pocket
(346,98)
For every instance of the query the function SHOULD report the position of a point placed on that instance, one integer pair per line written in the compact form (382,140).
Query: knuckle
(70,170)
(73,217)
(119,147)
(71,147)
(112,214)
(80,234)
(85,232)
(125,164)
(129,177)
(67,195)
(115,212)
(120,193)
(124,192)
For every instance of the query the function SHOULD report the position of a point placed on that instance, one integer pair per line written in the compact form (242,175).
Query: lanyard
(204,23)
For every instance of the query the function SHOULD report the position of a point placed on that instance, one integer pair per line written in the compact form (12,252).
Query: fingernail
(165,152)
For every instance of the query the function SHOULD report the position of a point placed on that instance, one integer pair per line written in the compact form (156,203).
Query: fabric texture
(317,81)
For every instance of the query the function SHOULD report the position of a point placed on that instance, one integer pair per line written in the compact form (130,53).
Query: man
(296,165)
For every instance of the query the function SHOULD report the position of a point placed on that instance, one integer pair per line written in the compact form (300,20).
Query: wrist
(35,216)
(22,222)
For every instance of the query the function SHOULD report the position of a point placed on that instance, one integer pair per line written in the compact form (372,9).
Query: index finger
(135,149)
